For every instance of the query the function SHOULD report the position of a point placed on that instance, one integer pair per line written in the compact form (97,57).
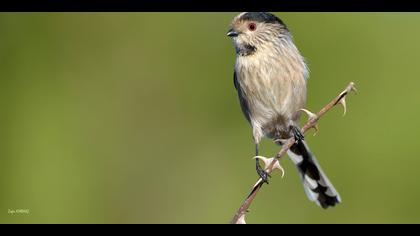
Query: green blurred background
(133,118)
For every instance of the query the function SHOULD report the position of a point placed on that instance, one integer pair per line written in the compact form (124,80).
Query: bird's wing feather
(242,99)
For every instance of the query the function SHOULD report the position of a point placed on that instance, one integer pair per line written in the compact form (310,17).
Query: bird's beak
(232,33)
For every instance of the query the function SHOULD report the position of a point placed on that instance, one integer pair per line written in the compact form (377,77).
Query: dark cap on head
(264,17)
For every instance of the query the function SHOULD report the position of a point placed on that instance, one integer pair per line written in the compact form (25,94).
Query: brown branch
(239,217)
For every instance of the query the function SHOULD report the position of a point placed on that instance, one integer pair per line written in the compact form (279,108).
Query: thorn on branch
(269,167)
(273,163)
(312,118)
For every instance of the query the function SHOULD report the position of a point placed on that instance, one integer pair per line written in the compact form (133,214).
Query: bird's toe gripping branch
(269,167)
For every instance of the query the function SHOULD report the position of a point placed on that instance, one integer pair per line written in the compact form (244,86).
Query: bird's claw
(260,171)
(263,174)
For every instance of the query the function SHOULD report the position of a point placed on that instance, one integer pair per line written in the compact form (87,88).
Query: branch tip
(273,163)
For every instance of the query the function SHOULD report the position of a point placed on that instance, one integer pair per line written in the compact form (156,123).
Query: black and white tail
(316,184)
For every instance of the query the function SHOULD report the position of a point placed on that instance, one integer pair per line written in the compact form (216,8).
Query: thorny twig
(239,217)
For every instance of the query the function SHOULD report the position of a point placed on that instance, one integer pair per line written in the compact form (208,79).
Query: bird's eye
(252,26)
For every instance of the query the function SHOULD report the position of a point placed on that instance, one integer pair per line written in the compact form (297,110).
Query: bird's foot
(297,134)
(262,173)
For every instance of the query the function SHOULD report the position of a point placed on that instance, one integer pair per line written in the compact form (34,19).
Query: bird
(270,77)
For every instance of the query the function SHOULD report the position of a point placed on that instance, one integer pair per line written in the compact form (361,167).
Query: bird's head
(250,30)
